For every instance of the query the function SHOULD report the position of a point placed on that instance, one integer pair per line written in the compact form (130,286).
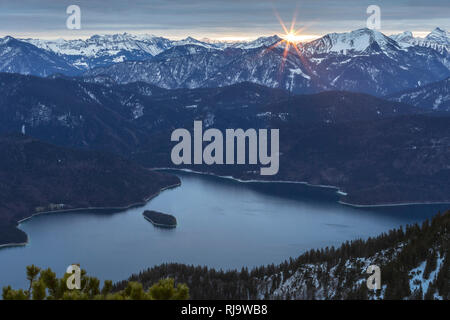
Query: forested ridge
(414,264)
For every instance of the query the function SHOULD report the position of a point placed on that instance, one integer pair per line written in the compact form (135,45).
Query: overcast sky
(215,18)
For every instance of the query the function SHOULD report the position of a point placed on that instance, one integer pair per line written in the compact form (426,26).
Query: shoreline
(393,204)
(11,245)
(338,190)
(133,205)
(146,200)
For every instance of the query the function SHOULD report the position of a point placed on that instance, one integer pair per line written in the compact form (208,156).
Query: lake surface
(221,223)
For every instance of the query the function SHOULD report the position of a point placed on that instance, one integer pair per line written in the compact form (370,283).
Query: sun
(291,37)
(290,41)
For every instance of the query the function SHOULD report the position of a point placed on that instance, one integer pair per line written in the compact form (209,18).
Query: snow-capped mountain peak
(192,41)
(362,40)
(100,45)
(406,37)
(260,42)
(437,39)
(7,40)
(439,36)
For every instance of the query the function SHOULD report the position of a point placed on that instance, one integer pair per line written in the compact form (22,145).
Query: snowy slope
(20,57)
(437,39)
(360,41)
(100,45)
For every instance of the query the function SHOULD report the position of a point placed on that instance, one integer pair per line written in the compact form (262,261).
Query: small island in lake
(160,219)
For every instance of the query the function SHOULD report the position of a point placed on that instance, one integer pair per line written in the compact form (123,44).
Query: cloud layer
(215,18)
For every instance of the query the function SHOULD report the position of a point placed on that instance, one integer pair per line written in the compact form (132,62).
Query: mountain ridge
(362,60)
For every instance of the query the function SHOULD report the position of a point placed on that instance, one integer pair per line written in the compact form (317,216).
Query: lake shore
(94,209)
(338,190)
(9,245)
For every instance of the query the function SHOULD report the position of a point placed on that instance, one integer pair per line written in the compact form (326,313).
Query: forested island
(160,219)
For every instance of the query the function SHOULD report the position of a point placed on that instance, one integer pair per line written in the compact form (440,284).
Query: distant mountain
(438,39)
(20,57)
(104,50)
(258,43)
(405,37)
(184,66)
(439,36)
(251,44)
(434,96)
(38,177)
(70,113)
(192,41)
(363,60)
(368,61)
(364,41)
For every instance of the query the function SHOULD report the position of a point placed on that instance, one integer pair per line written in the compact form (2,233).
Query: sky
(216,19)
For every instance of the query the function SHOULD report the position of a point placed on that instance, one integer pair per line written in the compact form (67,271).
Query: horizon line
(224,38)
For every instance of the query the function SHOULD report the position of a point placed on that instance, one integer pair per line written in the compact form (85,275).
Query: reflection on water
(221,223)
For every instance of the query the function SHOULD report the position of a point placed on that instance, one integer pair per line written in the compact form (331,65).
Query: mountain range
(438,39)
(362,60)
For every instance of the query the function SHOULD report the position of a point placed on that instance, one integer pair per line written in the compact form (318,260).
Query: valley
(376,151)
(100,135)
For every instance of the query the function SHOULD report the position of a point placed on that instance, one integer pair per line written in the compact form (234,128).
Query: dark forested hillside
(414,263)
(435,96)
(36,177)
(375,150)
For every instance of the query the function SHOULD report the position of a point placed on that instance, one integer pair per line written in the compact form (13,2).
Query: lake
(222,223)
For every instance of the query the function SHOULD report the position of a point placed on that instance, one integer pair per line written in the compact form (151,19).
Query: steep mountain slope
(104,50)
(368,61)
(363,60)
(37,177)
(439,36)
(361,41)
(69,113)
(434,96)
(20,57)
(414,264)
(258,43)
(184,66)
(438,39)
